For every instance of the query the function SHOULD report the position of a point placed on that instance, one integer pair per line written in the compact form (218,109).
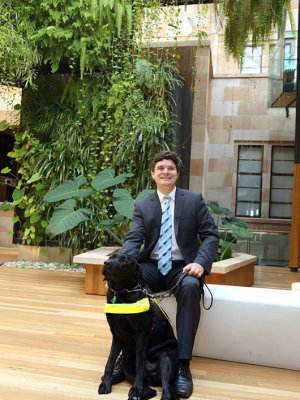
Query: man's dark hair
(167,155)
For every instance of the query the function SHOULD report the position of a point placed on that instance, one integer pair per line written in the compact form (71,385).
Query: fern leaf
(128,10)
(82,56)
(119,16)
(94,8)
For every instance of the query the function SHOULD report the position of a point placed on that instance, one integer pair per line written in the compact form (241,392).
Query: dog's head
(121,271)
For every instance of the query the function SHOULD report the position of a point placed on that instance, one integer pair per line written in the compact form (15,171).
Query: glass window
(249,181)
(290,57)
(252,60)
(281,188)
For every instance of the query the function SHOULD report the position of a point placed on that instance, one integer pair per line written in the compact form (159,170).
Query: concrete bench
(245,324)
(238,270)
(249,325)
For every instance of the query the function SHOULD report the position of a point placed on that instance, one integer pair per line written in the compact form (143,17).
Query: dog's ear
(105,270)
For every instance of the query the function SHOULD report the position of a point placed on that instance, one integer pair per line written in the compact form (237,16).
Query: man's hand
(194,269)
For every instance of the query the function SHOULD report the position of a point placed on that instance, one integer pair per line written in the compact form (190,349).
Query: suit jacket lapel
(154,212)
(156,207)
(179,204)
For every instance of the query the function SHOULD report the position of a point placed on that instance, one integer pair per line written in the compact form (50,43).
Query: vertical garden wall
(94,97)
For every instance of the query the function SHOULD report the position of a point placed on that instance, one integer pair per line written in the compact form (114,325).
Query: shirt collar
(171,194)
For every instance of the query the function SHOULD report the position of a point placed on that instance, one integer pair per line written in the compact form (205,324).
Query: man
(188,247)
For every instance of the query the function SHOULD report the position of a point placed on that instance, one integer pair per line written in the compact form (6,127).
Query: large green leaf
(17,196)
(68,190)
(144,193)
(106,179)
(66,217)
(123,202)
(241,232)
(35,177)
(216,209)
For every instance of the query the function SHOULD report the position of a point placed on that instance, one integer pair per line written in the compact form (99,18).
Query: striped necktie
(165,239)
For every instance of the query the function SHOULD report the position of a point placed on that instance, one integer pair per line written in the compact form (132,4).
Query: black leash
(169,292)
(166,293)
(211,296)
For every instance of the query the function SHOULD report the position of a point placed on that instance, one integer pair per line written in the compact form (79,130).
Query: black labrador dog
(145,339)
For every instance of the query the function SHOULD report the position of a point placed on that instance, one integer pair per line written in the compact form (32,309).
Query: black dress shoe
(118,375)
(184,381)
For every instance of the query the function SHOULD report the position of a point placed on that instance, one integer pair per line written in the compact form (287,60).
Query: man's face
(165,175)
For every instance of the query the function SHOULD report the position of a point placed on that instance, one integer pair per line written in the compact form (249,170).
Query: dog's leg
(136,392)
(106,384)
(165,365)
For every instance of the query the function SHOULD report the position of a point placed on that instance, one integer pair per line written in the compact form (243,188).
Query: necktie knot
(166,200)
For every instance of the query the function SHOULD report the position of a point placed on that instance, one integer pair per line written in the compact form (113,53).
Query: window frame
(272,175)
(251,174)
(265,203)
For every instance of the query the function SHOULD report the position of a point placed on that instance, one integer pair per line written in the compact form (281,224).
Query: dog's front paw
(147,393)
(104,388)
(166,395)
(134,394)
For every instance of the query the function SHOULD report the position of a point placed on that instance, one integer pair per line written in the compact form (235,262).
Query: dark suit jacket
(195,230)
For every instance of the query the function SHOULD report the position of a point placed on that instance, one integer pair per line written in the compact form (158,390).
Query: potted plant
(69,213)
(230,230)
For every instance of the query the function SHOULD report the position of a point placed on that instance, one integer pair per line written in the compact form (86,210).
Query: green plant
(95,97)
(18,55)
(86,99)
(230,229)
(70,213)
(250,21)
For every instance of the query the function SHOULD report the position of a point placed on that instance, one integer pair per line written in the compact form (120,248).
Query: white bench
(245,324)
(250,325)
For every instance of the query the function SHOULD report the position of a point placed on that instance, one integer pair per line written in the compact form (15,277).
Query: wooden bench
(93,262)
(236,271)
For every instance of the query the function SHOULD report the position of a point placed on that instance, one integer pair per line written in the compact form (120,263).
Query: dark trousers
(188,296)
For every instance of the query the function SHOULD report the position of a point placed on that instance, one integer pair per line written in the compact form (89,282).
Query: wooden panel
(94,283)
(295,227)
(243,276)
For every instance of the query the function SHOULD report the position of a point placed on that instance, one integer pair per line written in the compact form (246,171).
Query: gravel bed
(51,266)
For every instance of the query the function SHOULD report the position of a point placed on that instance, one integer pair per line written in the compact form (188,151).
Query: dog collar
(127,308)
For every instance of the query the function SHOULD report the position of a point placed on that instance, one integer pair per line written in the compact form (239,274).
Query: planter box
(236,271)
(44,254)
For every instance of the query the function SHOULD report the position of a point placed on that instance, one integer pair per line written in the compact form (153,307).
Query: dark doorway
(183,131)
(7,181)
